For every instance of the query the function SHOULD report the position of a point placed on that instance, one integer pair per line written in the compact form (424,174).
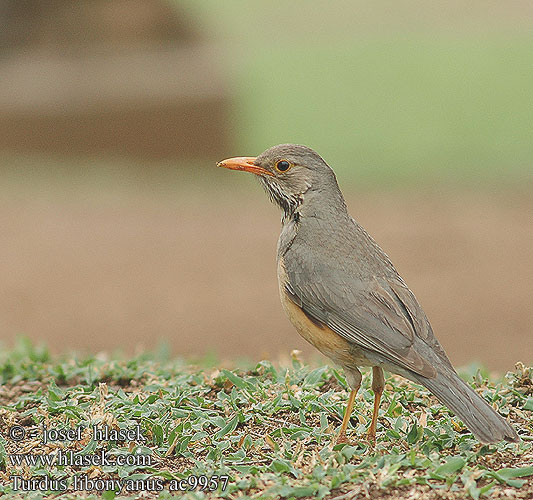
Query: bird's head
(291,174)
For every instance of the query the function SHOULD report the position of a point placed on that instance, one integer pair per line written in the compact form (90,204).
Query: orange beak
(245,163)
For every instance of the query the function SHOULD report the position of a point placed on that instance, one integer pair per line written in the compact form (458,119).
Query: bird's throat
(288,203)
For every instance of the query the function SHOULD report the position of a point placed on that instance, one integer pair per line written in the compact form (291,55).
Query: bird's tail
(487,425)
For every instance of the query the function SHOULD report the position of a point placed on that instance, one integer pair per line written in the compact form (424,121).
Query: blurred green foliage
(399,108)
(381,104)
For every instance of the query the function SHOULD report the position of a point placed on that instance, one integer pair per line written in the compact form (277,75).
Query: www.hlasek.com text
(69,458)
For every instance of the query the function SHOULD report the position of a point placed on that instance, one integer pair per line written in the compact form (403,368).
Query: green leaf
(349,451)
(54,392)
(453,464)
(528,404)
(237,381)
(157,431)
(229,427)
(516,472)
(3,453)
(138,477)
(412,436)
(108,495)
(303,491)
(314,377)
(165,474)
(509,475)
(89,447)
(323,421)
(280,466)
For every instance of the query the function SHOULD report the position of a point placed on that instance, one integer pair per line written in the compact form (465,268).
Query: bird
(344,296)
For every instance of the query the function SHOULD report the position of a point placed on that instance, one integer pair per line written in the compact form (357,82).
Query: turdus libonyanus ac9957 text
(344,296)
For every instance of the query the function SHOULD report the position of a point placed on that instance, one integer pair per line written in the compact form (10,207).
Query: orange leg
(354,380)
(341,438)
(378,384)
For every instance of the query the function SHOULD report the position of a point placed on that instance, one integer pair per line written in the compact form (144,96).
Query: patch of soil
(199,273)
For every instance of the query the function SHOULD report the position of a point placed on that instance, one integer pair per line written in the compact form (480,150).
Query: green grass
(269,429)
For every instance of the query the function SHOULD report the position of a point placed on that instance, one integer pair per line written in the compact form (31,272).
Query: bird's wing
(380,315)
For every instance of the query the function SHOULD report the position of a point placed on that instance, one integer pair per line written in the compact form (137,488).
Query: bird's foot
(371,437)
(341,439)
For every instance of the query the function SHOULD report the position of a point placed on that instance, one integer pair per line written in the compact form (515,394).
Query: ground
(269,429)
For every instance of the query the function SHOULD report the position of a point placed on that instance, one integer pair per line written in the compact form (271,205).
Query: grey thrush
(344,296)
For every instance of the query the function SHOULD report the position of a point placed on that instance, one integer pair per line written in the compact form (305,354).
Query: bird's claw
(342,439)
(371,438)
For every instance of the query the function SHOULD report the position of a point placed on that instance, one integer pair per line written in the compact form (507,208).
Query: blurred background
(117,232)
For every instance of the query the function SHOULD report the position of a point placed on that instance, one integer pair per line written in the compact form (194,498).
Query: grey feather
(487,425)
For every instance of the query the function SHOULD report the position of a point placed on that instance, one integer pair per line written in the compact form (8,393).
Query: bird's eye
(283,165)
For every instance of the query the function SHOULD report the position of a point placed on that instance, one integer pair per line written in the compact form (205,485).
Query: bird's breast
(317,334)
